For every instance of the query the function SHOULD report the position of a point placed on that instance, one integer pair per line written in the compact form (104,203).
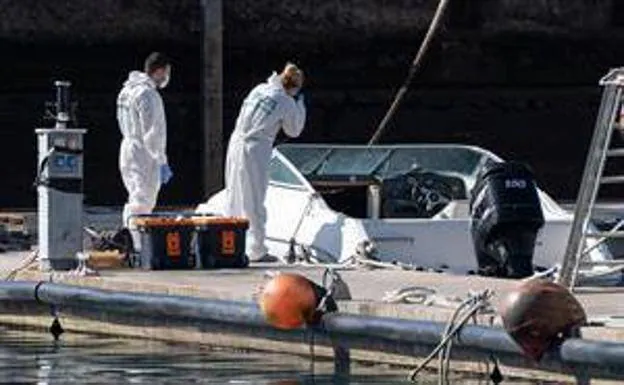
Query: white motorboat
(411,201)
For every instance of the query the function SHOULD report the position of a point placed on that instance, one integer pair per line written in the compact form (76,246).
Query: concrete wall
(518,77)
(293,20)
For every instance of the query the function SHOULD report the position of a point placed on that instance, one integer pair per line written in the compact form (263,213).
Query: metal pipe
(416,64)
(62,102)
(151,305)
(374,201)
(18,291)
(602,354)
(594,166)
(341,331)
(212,94)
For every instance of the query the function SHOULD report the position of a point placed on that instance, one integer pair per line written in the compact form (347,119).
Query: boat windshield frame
(317,162)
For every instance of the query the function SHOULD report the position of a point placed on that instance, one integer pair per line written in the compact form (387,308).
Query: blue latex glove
(299,96)
(165,173)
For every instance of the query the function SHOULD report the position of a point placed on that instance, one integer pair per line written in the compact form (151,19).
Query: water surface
(35,358)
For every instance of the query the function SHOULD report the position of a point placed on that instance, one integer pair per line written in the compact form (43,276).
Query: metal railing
(410,338)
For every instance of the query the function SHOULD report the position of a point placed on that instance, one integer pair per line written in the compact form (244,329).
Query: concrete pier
(368,289)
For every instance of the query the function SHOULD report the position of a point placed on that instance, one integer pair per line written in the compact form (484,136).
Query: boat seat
(457,209)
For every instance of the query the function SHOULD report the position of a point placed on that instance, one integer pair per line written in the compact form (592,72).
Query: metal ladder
(599,150)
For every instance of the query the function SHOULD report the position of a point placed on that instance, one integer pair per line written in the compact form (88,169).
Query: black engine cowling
(506,217)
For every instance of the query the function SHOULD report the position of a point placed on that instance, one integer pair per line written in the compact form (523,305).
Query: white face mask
(166,79)
(294,91)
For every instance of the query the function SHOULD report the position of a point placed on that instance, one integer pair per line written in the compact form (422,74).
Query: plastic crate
(166,242)
(220,242)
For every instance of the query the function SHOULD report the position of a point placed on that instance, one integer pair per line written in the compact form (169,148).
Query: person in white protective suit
(142,156)
(269,107)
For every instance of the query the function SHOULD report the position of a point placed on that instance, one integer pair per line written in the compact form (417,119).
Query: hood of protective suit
(136,78)
(276,81)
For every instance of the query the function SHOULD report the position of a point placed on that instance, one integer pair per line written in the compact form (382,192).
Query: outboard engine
(506,216)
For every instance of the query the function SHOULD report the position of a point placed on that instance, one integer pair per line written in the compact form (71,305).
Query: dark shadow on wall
(97,73)
(527,98)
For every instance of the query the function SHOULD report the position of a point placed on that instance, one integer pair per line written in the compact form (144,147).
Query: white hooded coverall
(141,118)
(266,110)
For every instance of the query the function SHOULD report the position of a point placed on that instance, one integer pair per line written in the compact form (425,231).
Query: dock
(434,298)
(368,288)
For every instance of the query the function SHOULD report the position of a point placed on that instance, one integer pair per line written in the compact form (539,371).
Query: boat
(412,203)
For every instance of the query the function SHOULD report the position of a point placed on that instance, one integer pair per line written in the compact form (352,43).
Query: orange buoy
(539,313)
(289,301)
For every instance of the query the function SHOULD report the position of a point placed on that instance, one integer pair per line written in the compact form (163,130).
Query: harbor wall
(517,77)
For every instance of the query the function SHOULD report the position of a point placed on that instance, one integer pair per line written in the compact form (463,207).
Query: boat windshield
(326,160)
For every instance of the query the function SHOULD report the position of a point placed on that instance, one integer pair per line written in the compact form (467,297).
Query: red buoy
(538,313)
(288,301)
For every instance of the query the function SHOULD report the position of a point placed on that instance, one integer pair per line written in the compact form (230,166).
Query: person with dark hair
(142,156)
(158,67)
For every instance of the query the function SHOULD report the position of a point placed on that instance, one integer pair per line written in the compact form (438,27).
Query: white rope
(26,263)
(411,295)
(82,270)
(363,258)
(593,273)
